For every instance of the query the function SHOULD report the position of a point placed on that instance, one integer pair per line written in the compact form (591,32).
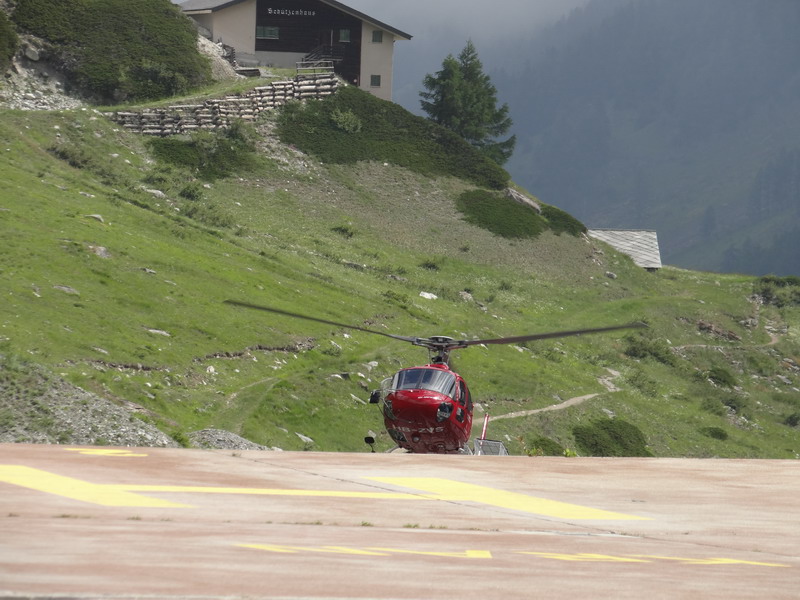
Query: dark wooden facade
(304,26)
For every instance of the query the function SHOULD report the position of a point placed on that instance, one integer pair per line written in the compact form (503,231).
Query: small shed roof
(206,6)
(640,244)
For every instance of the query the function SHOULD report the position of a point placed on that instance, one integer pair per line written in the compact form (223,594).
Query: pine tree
(461,98)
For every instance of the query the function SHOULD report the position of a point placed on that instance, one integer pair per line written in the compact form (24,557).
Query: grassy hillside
(112,53)
(118,255)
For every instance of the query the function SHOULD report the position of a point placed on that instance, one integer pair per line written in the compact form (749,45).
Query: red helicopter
(428,409)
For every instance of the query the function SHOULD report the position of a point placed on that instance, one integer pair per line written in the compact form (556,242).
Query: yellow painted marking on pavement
(281,549)
(464,554)
(444,489)
(487,555)
(711,561)
(77,489)
(324,549)
(438,489)
(188,489)
(104,452)
(586,557)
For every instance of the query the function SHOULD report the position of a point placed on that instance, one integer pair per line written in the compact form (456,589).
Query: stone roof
(640,244)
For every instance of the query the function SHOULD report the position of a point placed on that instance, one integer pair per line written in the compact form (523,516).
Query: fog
(442,27)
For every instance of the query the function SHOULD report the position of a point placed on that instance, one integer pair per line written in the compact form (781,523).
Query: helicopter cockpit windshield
(434,380)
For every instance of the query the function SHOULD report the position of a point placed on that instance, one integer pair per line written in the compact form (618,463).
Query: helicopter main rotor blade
(287,313)
(544,336)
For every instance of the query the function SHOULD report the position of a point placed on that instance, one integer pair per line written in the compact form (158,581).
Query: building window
(267,33)
(377,36)
(344,35)
(375,81)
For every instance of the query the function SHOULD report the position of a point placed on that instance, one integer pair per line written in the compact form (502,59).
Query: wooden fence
(218,113)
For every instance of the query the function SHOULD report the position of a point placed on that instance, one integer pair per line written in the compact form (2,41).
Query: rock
(611,275)
(158,332)
(428,296)
(67,290)
(223,440)
(100,251)
(32,54)
(304,438)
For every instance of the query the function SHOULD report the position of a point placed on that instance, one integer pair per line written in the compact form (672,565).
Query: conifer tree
(461,98)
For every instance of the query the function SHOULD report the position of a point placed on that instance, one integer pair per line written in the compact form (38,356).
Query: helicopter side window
(435,380)
(464,397)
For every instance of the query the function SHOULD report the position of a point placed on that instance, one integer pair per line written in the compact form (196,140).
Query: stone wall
(218,113)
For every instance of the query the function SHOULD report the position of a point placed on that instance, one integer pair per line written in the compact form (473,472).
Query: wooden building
(281,33)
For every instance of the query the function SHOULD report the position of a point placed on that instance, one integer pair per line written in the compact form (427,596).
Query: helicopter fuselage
(427,409)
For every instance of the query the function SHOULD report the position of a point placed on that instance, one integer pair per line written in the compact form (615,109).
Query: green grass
(354,241)
(111,53)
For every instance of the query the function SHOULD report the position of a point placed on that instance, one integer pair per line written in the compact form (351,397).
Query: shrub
(500,215)
(113,53)
(386,132)
(8,42)
(192,191)
(212,155)
(793,420)
(562,222)
(722,376)
(611,437)
(346,120)
(645,345)
(715,432)
(543,446)
(778,291)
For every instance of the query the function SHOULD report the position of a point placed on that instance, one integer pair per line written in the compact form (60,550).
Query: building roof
(206,6)
(641,245)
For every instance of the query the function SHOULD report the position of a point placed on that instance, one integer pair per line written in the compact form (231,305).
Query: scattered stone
(157,332)
(611,275)
(67,290)
(524,200)
(100,251)
(304,438)
(219,439)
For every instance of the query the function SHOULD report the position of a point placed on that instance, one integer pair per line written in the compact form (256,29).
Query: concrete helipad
(83,522)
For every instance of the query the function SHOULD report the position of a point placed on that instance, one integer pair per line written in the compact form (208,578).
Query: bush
(353,125)
(611,437)
(500,215)
(778,291)
(562,222)
(8,42)
(112,53)
(543,446)
(212,155)
(722,376)
(793,420)
(645,345)
(716,433)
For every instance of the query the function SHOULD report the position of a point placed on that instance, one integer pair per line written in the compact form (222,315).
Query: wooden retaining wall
(219,112)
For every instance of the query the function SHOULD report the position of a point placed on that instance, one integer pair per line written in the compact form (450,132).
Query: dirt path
(607,381)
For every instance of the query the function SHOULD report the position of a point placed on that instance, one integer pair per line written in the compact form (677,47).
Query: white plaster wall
(376,59)
(236,26)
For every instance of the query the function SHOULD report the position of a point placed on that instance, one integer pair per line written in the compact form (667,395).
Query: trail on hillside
(607,381)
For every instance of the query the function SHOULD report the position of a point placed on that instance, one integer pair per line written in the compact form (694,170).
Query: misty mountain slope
(678,116)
